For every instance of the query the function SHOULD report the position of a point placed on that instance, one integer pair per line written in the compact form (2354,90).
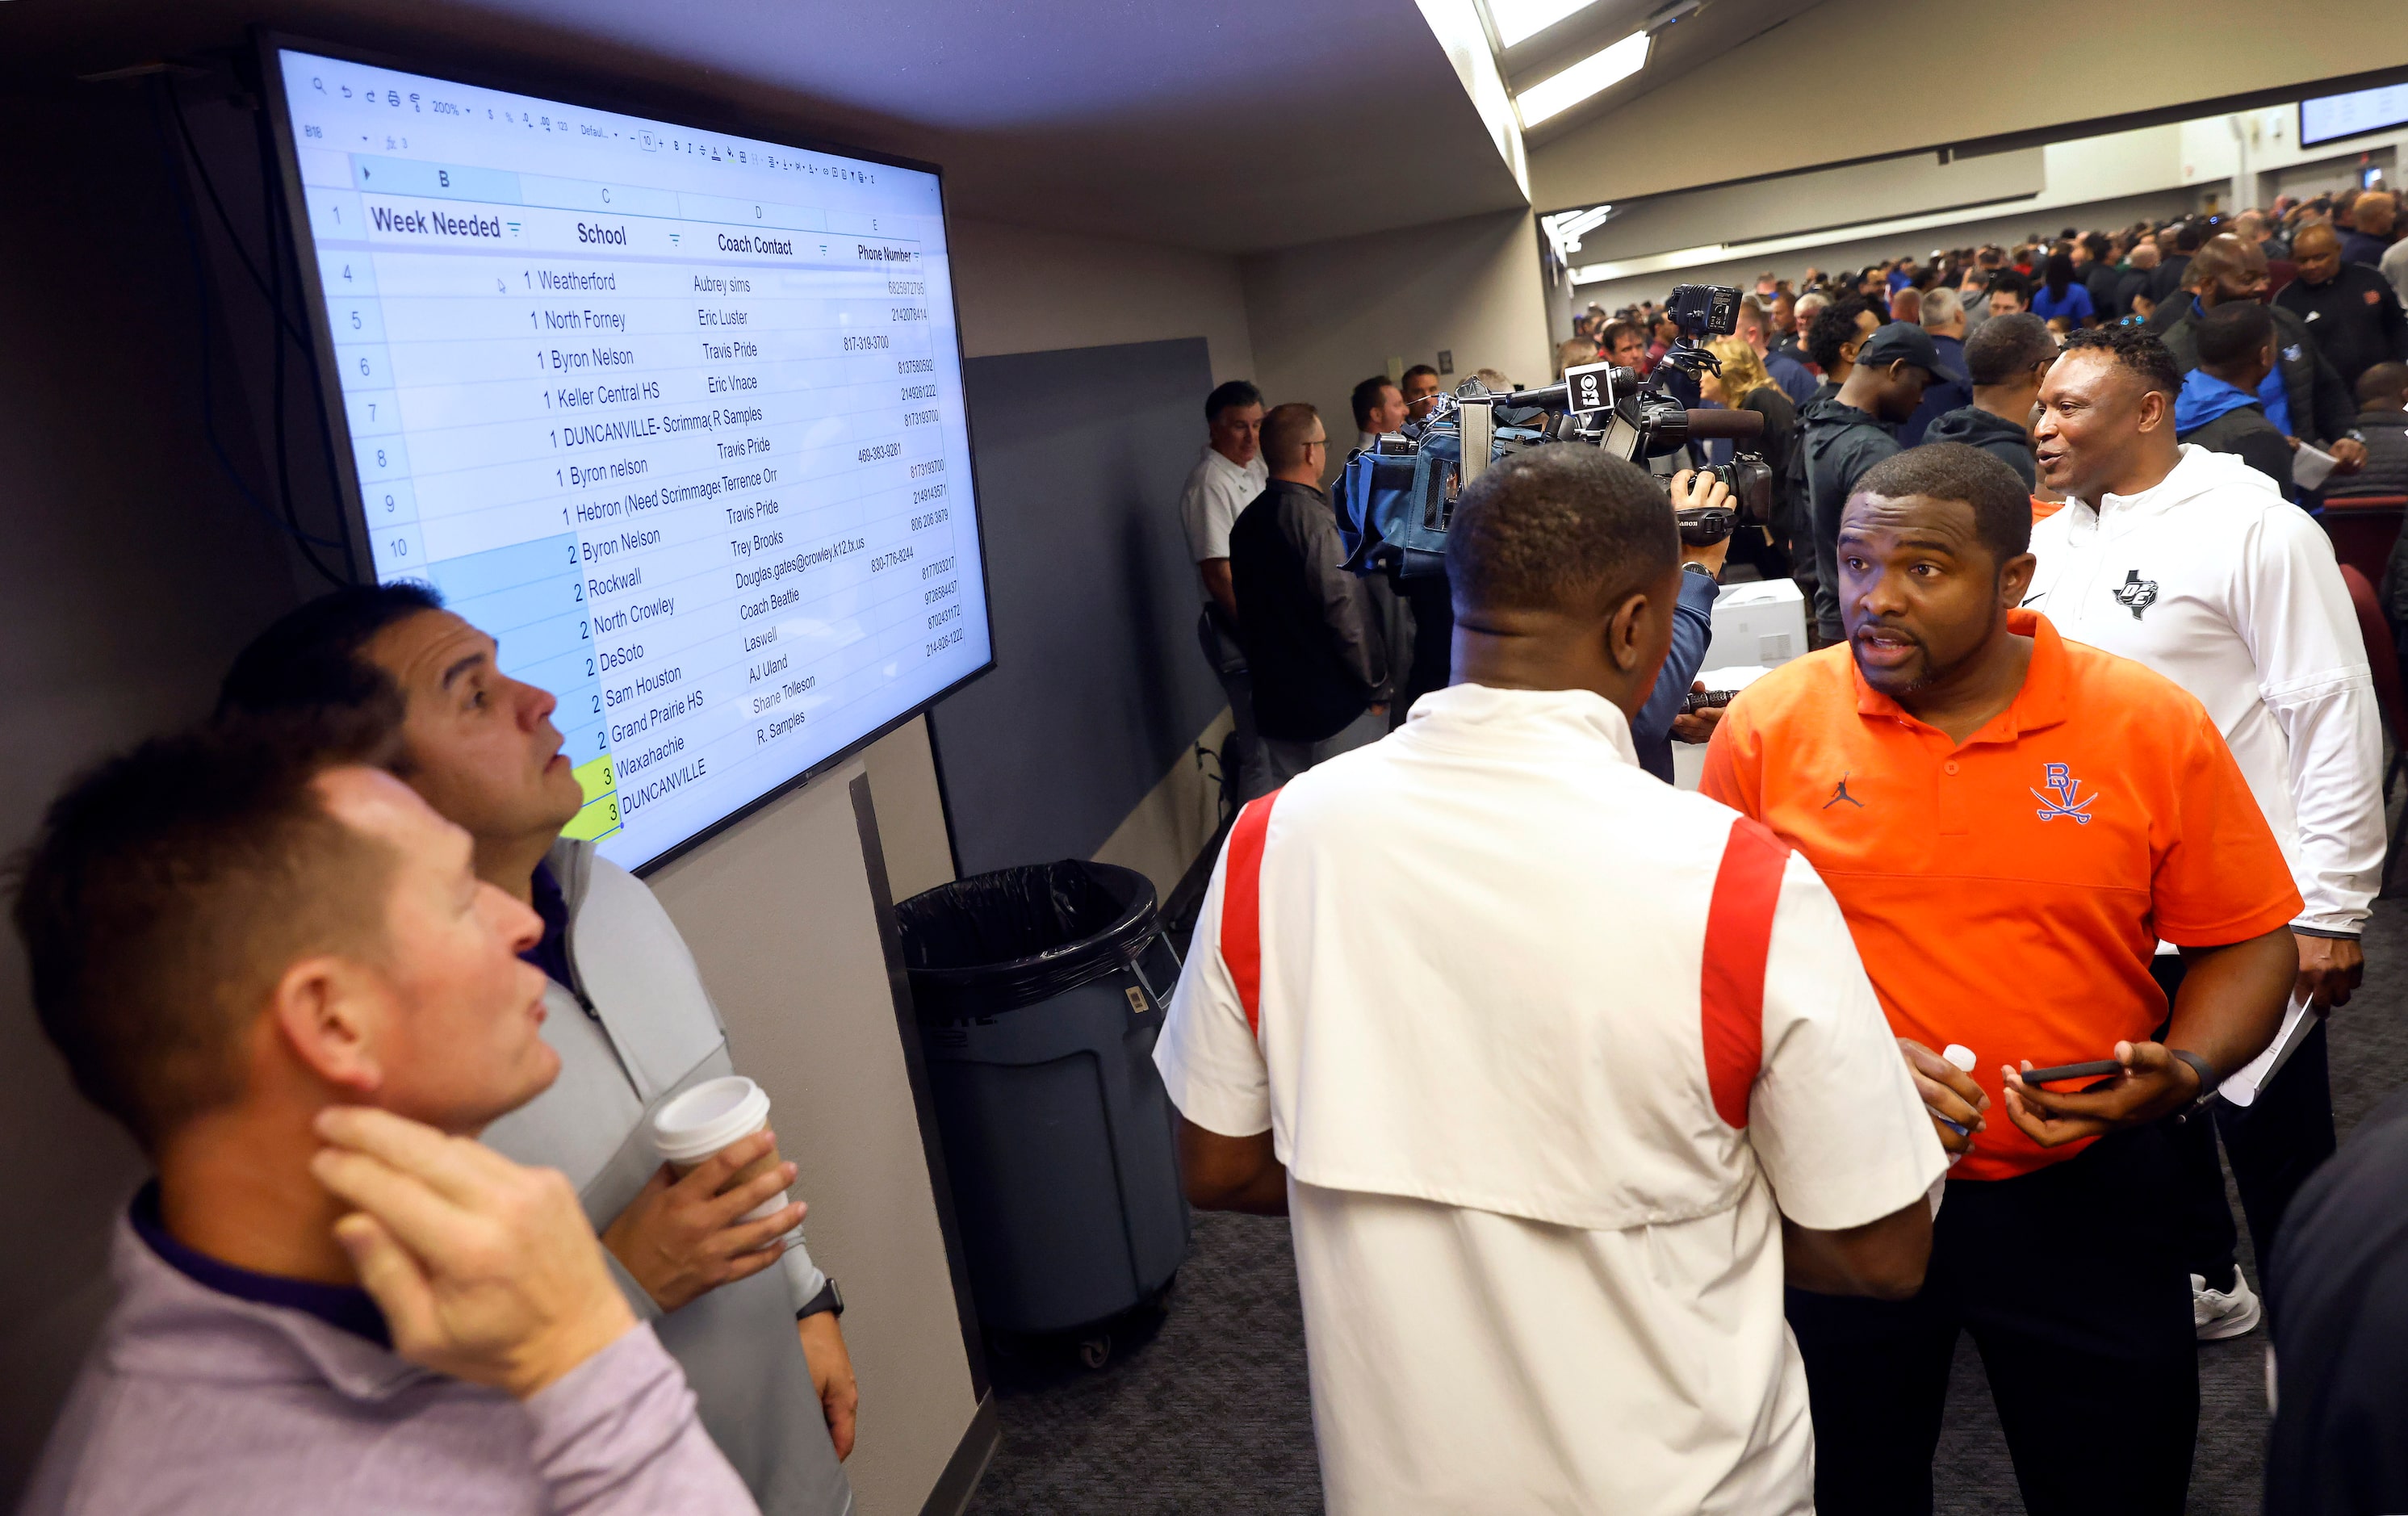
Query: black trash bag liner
(1017,936)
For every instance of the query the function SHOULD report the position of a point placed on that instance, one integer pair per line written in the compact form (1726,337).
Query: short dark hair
(2098,245)
(2187,238)
(2005,347)
(1554,528)
(1230,397)
(1367,394)
(2235,331)
(2383,382)
(1953,471)
(1284,432)
(1424,368)
(2008,281)
(314,655)
(2134,349)
(170,887)
(1615,332)
(1835,327)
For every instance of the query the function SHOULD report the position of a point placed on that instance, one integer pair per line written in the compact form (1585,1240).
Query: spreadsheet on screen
(675,416)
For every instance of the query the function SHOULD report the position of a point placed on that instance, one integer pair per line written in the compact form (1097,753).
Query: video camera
(1395,497)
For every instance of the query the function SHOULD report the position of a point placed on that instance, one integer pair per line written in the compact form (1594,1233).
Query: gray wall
(132,573)
(1099,684)
(1800,202)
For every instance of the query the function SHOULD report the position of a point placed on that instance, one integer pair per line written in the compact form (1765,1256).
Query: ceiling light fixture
(1597,72)
(1566,228)
(1518,20)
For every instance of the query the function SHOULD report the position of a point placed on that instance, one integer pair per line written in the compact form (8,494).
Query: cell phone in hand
(2096,1068)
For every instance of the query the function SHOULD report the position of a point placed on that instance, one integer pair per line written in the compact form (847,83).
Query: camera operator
(1693,626)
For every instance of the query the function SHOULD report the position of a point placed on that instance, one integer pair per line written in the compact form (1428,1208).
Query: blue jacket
(2076,305)
(2204,397)
(1693,632)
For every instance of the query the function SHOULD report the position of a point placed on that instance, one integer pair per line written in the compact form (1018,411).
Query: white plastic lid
(708,1117)
(1960,1055)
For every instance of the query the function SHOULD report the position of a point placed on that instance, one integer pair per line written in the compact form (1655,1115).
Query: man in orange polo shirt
(2010,821)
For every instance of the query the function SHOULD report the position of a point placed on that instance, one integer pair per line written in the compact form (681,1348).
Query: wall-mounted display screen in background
(2329,118)
(676,415)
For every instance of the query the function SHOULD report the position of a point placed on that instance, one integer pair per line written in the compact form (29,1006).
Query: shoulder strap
(1241,907)
(1739,935)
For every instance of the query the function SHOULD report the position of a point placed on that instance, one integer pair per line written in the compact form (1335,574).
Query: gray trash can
(1036,993)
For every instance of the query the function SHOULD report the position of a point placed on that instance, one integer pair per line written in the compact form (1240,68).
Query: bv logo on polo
(2065,797)
(2136,593)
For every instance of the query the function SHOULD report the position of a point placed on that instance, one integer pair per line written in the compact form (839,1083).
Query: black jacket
(2386,434)
(1314,634)
(2322,409)
(2166,280)
(1994,435)
(2356,319)
(2100,281)
(1839,442)
(2246,433)
(1779,441)
(2333,1291)
(2133,281)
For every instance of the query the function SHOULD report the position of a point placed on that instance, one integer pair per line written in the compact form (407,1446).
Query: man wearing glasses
(1323,643)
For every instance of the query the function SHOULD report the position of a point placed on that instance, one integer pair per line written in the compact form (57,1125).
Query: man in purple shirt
(276,966)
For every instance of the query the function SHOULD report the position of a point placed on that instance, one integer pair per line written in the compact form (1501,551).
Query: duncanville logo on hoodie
(2136,593)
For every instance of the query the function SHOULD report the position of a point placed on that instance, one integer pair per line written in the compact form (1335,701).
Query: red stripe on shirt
(1242,907)
(1739,935)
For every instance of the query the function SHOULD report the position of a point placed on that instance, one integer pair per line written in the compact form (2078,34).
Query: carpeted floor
(1205,1411)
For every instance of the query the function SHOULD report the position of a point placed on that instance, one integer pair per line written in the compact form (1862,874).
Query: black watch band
(2206,1072)
(830,1299)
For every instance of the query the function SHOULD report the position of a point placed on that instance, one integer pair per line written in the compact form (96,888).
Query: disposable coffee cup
(704,1121)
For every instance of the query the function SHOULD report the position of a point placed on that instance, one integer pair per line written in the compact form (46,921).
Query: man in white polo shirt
(1229,472)
(1558,1072)
(2192,562)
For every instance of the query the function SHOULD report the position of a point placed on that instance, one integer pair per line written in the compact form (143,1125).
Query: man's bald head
(2227,269)
(2317,251)
(1287,432)
(2376,212)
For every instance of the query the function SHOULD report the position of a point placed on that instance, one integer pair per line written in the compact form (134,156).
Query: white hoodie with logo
(2214,580)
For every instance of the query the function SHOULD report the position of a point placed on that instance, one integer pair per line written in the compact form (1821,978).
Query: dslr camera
(1395,497)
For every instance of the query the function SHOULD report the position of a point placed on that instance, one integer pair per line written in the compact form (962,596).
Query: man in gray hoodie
(629,1018)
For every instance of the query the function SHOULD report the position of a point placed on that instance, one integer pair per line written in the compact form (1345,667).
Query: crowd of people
(1644,1149)
(2286,324)
(2011,915)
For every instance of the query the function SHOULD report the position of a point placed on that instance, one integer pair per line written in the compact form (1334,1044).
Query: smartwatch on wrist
(830,1299)
(2206,1072)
